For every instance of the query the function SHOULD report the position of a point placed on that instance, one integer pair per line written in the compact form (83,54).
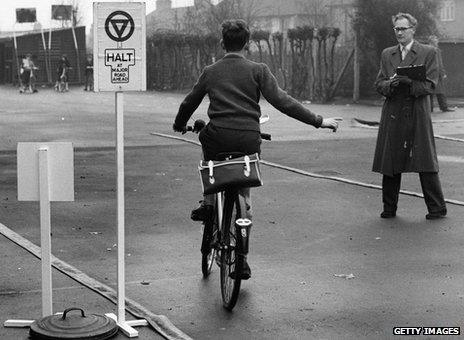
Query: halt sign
(119,46)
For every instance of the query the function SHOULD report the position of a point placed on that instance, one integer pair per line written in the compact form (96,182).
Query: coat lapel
(395,58)
(411,56)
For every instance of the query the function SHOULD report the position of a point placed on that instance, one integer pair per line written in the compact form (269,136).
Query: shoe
(436,215)
(388,214)
(447,110)
(246,272)
(202,213)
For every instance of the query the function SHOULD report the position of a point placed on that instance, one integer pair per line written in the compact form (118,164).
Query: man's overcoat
(405,141)
(440,88)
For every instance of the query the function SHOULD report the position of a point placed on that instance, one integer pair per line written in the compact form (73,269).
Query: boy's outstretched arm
(190,104)
(289,105)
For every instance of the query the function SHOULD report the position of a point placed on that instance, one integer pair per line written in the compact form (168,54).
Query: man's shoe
(202,213)
(436,215)
(388,214)
(447,110)
(246,272)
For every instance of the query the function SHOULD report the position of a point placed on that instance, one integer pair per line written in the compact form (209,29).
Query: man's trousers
(431,188)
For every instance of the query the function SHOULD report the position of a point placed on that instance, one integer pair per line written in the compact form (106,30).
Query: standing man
(440,88)
(405,141)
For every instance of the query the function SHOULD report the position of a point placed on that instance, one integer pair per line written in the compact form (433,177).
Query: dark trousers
(89,81)
(431,188)
(442,103)
(216,140)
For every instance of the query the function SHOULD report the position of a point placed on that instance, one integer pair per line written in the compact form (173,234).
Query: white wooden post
(125,326)
(45,174)
(45,229)
(119,105)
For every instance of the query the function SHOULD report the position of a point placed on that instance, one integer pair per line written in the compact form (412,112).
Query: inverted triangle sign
(119,26)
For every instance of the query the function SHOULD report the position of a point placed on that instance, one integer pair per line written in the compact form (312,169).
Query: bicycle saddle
(222,156)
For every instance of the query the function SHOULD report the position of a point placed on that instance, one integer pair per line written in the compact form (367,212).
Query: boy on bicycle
(234,85)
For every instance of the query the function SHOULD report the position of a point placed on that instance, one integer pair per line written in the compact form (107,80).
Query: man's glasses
(401,29)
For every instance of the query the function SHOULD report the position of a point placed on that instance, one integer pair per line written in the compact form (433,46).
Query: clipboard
(414,72)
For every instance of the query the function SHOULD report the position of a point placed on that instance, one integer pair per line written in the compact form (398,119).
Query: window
(275,25)
(447,11)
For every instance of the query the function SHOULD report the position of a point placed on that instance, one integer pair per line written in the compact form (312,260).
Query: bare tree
(206,17)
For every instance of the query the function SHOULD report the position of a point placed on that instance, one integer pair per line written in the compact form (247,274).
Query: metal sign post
(120,65)
(45,173)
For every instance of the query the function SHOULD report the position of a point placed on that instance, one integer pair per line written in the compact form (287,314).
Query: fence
(45,58)
(306,61)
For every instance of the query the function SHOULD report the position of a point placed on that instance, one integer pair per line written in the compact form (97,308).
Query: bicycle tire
(230,260)
(208,252)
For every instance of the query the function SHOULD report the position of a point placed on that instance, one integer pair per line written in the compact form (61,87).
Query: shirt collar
(233,55)
(407,48)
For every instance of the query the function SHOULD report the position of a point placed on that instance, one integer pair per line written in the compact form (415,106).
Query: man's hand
(331,123)
(182,129)
(397,80)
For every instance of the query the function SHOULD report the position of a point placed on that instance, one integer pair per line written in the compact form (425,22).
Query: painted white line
(159,322)
(314,175)
(356,123)
(450,159)
(450,138)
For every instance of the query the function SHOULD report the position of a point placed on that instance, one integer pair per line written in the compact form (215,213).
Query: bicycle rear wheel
(208,250)
(230,260)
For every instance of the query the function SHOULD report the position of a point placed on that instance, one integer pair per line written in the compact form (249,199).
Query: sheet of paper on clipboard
(414,72)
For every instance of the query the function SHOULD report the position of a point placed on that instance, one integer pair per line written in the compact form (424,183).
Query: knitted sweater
(234,85)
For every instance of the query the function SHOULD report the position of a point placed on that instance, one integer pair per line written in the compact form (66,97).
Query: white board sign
(60,171)
(119,50)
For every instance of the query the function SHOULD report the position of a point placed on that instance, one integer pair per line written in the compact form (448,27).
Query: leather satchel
(236,173)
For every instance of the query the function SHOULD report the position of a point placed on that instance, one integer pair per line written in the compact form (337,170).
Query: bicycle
(226,233)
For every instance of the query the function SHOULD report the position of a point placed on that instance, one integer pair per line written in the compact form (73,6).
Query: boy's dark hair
(235,34)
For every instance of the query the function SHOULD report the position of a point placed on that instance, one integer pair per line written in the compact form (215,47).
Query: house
(281,15)
(451,20)
(450,23)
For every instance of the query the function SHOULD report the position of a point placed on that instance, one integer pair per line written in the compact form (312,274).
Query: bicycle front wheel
(231,261)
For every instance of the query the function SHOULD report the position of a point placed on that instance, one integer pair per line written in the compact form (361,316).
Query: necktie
(404,51)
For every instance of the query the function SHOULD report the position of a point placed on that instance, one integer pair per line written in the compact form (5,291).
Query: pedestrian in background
(405,141)
(27,74)
(62,74)
(440,88)
(89,74)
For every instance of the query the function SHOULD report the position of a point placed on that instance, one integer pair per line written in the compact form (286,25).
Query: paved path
(407,271)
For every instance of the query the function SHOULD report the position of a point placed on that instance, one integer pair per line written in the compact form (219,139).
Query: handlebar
(199,124)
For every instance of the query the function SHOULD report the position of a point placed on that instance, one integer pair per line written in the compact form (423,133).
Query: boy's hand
(182,129)
(331,123)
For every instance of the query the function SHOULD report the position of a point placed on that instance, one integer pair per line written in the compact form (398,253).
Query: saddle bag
(235,173)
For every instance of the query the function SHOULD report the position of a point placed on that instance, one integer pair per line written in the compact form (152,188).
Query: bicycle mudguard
(243,227)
